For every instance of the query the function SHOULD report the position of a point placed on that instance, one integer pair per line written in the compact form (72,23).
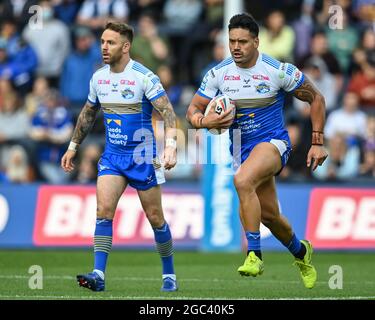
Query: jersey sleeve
(153,87)
(291,77)
(209,85)
(92,97)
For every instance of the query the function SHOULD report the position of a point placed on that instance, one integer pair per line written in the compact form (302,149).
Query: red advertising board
(65,216)
(342,218)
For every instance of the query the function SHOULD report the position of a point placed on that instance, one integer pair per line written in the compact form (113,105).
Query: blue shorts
(280,139)
(140,176)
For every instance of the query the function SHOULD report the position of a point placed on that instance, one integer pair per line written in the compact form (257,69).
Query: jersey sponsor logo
(116,121)
(114,87)
(127,82)
(229,90)
(263,87)
(101,81)
(342,218)
(260,77)
(127,93)
(231,77)
(297,76)
(247,83)
(66,216)
(239,115)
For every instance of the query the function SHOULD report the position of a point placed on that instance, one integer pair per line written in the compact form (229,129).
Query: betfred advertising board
(65,216)
(342,218)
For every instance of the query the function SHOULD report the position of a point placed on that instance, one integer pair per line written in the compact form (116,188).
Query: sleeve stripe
(224,63)
(157,96)
(299,83)
(89,100)
(138,67)
(203,95)
(271,61)
(155,80)
(290,69)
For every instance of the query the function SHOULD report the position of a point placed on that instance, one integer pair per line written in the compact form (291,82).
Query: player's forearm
(195,116)
(318,112)
(84,124)
(165,108)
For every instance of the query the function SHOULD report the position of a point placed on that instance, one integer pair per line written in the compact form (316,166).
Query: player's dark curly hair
(122,28)
(244,21)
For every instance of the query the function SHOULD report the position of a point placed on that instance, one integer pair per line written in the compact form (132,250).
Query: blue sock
(102,243)
(253,243)
(295,247)
(164,245)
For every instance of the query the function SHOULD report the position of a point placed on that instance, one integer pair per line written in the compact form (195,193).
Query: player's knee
(244,184)
(155,216)
(105,212)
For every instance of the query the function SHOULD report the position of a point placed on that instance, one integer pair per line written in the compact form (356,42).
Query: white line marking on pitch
(66,277)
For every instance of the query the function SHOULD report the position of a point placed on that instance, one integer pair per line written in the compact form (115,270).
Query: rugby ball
(223,103)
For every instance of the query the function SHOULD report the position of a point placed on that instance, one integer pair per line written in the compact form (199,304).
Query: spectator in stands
(18,10)
(20,67)
(343,42)
(319,48)
(17,167)
(367,168)
(79,67)
(148,47)
(8,31)
(66,10)
(303,28)
(349,121)
(174,90)
(366,47)
(342,163)
(14,124)
(138,7)
(181,15)
(317,71)
(96,13)
(87,168)
(53,48)
(218,54)
(363,83)
(35,98)
(51,130)
(277,39)
(14,121)
(364,10)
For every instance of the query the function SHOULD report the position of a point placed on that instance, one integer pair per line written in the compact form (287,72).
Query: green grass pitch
(136,275)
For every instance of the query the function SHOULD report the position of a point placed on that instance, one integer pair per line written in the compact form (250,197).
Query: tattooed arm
(165,108)
(308,93)
(84,124)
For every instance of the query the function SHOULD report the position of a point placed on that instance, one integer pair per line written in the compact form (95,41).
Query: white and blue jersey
(258,93)
(125,99)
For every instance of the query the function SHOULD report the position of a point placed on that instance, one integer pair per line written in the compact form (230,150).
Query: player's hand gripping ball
(223,103)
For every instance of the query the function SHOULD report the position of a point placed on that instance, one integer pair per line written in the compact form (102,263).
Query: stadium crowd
(45,74)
